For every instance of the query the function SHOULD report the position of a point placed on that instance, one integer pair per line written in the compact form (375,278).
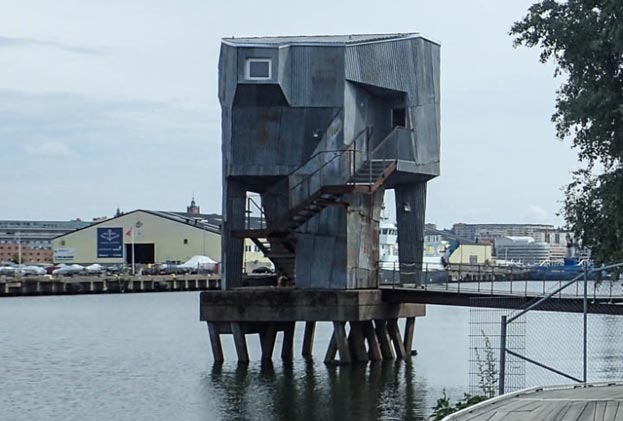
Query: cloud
(538,214)
(52,149)
(32,119)
(17,42)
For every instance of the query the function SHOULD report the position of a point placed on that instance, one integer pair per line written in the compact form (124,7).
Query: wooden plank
(618,414)
(308,339)
(215,341)
(381,334)
(339,330)
(575,409)
(240,342)
(600,411)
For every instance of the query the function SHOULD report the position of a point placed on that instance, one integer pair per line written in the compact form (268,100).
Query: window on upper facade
(258,69)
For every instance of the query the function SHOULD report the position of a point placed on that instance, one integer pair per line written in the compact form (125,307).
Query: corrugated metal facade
(325,94)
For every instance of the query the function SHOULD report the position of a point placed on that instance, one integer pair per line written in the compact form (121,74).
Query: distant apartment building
(34,238)
(522,250)
(545,236)
(477,232)
(11,252)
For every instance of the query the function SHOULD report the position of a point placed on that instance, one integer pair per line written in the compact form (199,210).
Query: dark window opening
(185,240)
(144,253)
(399,117)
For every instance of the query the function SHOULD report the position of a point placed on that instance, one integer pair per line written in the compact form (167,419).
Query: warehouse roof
(196,221)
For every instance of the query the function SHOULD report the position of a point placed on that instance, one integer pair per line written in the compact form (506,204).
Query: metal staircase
(278,242)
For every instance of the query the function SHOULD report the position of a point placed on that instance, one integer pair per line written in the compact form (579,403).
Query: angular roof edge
(321,40)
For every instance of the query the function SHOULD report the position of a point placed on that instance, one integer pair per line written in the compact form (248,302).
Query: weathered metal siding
(424,111)
(227,75)
(316,76)
(269,141)
(319,99)
(363,216)
(410,215)
(387,65)
(234,199)
(411,66)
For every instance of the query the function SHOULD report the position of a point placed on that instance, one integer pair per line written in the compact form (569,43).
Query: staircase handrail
(339,153)
(388,138)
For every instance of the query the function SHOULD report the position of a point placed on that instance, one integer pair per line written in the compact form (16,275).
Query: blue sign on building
(109,242)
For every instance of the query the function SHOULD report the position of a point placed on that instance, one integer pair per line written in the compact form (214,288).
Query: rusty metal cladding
(321,126)
(410,213)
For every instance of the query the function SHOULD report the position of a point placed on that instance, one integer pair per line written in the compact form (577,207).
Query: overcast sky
(106,103)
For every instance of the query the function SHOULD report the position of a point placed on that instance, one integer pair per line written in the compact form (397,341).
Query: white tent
(199,262)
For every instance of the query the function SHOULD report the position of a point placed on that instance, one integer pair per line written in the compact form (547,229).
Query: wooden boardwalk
(596,402)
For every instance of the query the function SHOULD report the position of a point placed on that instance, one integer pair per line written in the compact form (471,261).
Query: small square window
(258,69)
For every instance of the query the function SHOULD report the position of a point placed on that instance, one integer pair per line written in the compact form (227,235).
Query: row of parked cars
(57,270)
(197,266)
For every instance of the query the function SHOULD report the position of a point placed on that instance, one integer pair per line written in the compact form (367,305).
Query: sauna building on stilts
(318,128)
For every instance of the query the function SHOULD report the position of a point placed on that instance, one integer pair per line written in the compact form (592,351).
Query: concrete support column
(287,348)
(215,341)
(267,341)
(356,342)
(234,205)
(408,334)
(308,339)
(240,341)
(394,334)
(385,344)
(410,215)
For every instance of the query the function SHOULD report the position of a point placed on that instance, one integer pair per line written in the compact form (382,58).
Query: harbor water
(147,357)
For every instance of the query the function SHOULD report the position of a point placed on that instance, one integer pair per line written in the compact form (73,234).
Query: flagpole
(133,271)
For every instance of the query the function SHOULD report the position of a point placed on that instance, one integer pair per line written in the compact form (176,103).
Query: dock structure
(598,401)
(320,127)
(43,285)
(365,328)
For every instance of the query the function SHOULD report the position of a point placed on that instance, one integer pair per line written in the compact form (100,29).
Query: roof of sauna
(334,40)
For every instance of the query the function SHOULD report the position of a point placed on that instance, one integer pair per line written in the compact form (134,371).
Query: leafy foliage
(585,40)
(487,369)
(444,407)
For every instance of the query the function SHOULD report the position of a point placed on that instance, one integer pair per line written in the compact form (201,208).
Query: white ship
(388,244)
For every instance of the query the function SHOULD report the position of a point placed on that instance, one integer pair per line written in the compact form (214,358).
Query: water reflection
(304,390)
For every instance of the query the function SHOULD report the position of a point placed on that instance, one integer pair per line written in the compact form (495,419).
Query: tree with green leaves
(584,38)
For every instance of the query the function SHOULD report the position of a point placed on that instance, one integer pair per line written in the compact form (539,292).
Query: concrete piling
(364,327)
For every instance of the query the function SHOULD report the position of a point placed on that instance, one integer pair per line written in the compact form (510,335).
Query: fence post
(584,338)
(502,355)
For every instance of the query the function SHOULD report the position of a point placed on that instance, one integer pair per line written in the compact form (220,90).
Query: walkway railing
(497,281)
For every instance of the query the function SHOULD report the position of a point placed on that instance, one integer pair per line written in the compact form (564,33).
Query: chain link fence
(550,342)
